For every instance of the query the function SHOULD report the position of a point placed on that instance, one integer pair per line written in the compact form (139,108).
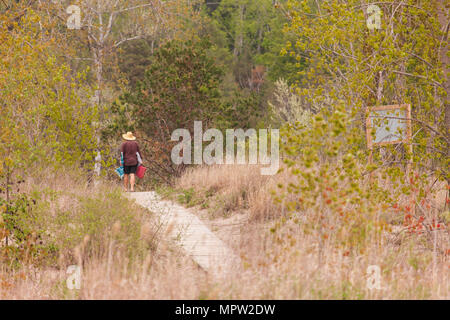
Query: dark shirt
(129,149)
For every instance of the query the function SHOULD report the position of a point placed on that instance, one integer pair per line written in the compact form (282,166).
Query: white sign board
(388,125)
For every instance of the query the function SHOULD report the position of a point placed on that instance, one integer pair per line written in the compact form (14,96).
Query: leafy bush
(287,106)
(49,225)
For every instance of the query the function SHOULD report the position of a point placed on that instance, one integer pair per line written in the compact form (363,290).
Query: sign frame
(407,139)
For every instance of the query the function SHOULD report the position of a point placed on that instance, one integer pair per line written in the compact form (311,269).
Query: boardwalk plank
(198,241)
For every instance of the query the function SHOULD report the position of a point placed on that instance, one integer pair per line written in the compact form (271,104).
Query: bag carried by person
(140,172)
(120,171)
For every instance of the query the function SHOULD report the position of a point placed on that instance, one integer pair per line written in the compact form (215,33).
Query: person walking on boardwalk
(130,158)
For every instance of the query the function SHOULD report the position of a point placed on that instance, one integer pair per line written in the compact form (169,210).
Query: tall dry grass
(234,188)
(271,271)
(285,260)
(279,260)
(121,248)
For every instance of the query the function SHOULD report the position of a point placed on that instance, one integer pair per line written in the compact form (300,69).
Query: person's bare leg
(125,182)
(132,180)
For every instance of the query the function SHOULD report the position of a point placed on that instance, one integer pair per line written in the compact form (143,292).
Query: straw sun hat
(129,136)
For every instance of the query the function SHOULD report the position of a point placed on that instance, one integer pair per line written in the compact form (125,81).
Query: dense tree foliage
(251,31)
(180,86)
(47,116)
(399,63)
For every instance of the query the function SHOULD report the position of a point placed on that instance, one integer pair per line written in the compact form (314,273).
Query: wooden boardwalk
(197,240)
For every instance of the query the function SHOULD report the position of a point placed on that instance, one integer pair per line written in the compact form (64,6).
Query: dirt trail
(198,241)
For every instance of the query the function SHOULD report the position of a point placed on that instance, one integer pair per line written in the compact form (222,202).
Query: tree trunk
(443,17)
(239,41)
(260,36)
(98,60)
